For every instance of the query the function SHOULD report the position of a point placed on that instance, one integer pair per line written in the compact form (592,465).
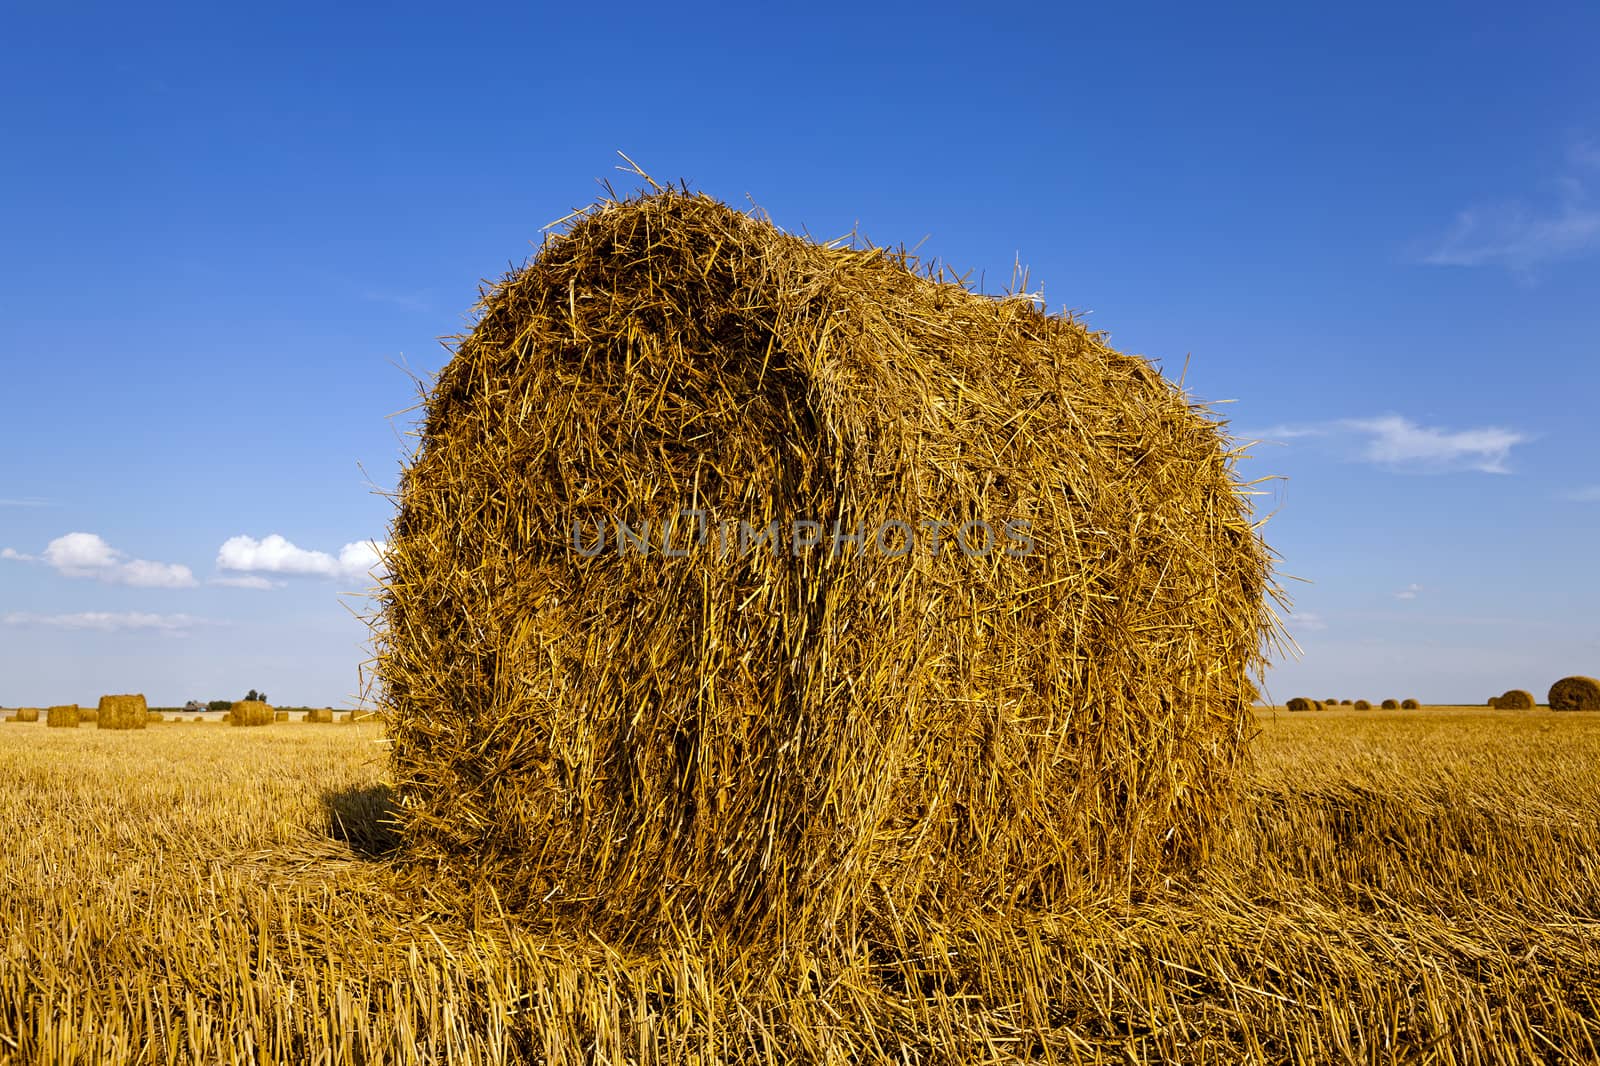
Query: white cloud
(108,621)
(25,501)
(1308,621)
(1409,592)
(250,582)
(88,555)
(1519,237)
(276,554)
(1399,443)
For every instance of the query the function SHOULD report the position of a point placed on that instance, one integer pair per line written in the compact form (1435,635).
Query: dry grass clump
(772,740)
(250,712)
(1575,694)
(1299,703)
(1362,705)
(319,714)
(65,716)
(122,712)
(1516,700)
(1390,705)
(1410,705)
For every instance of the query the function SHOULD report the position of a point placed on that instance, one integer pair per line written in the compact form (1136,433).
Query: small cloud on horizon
(27,501)
(1308,621)
(276,554)
(1410,592)
(110,621)
(87,555)
(1401,444)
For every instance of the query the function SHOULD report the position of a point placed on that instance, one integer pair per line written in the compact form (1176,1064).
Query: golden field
(1398,887)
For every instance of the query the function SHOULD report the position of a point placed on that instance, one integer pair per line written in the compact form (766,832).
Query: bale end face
(122,712)
(1575,694)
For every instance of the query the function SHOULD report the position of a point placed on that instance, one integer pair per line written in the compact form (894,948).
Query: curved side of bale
(807,733)
(1410,705)
(1575,694)
(250,712)
(122,712)
(1516,700)
(1390,705)
(1362,705)
(1299,703)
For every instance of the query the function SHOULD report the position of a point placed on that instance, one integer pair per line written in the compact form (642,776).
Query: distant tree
(219,705)
(252,695)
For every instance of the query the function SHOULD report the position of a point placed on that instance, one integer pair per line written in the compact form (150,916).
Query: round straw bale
(1494,701)
(1299,703)
(319,714)
(1410,705)
(1516,700)
(122,712)
(1344,703)
(27,714)
(153,716)
(280,716)
(1390,705)
(767,732)
(250,712)
(1575,694)
(1362,705)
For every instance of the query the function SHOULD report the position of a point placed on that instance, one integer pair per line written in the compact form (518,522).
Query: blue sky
(226,235)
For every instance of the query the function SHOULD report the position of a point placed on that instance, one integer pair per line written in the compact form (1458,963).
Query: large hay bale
(122,712)
(250,712)
(776,732)
(319,714)
(1516,700)
(27,714)
(1299,703)
(1410,705)
(1575,694)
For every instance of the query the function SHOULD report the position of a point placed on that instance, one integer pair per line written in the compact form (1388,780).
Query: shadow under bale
(365,819)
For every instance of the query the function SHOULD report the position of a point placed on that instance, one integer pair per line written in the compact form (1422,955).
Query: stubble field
(1416,887)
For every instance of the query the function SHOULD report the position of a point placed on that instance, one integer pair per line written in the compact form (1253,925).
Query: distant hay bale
(280,716)
(761,735)
(319,714)
(250,712)
(1516,700)
(1344,703)
(153,716)
(64,717)
(89,715)
(1318,705)
(1390,705)
(122,712)
(199,717)
(1575,694)
(1410,705)
(1299,703)
(1362,705)
(1331,702)
(1494,701)
(27,714)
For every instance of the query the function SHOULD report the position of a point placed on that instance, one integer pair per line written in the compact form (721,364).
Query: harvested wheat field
(1397,889)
